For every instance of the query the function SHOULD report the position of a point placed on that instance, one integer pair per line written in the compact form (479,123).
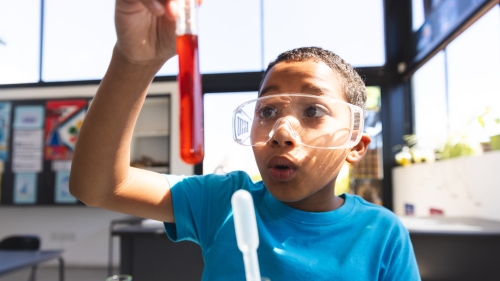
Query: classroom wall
(81,231)
(467,186)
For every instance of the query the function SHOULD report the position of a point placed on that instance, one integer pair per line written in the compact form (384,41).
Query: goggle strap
(357,126)
(241,126)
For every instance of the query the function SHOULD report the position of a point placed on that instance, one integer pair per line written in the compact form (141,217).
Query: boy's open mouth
(281,168)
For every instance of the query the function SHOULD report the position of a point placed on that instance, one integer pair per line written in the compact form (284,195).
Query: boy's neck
(329,204)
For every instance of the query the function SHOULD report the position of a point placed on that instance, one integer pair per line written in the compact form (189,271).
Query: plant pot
(495,142)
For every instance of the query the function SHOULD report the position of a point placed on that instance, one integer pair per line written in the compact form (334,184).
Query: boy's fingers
(171,9)
(159,7)
(155,6)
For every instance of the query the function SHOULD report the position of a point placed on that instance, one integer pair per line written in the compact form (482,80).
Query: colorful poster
(62,124)
(25,188)
(4,130)
(62,194)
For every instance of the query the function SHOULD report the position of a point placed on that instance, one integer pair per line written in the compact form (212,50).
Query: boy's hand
(146,30)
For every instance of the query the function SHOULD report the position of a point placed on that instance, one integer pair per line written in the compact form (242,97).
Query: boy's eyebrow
(268,89)
(313,89)
(307,89)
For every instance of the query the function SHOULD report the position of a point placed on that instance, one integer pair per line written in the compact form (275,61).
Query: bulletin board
(37,140)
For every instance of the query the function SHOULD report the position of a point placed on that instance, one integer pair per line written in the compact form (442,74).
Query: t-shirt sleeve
(400,261)
(200,203)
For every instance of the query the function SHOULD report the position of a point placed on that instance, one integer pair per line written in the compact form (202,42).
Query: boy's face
(301,177)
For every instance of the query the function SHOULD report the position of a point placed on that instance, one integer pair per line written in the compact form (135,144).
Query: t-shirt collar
(299,216)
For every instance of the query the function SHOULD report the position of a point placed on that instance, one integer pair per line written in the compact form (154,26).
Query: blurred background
(431,68)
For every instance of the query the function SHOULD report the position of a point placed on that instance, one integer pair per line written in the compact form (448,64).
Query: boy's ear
(358,151)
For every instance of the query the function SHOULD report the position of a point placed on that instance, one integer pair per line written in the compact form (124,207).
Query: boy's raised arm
(101,175)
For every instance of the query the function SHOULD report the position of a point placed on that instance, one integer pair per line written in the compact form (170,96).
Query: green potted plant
(490,122)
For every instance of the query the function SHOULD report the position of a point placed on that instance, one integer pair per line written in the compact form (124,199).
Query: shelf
(157,133)
(163,169)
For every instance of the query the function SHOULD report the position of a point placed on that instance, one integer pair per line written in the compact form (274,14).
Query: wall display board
(36,149)
(37,140)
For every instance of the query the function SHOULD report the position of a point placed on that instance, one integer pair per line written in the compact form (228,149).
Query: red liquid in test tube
(189,80)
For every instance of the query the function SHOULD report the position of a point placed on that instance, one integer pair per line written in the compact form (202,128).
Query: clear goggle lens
(314,121)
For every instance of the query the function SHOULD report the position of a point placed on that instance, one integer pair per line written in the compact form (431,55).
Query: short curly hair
(353,87)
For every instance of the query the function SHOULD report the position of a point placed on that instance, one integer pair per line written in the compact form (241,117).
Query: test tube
(189,80)
(247,236)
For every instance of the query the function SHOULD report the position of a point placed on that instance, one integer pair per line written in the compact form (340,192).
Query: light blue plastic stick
(247,236)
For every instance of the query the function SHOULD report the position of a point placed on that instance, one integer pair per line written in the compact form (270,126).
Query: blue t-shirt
(358,241)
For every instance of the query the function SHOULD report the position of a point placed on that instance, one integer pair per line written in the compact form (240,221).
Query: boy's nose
(283,134)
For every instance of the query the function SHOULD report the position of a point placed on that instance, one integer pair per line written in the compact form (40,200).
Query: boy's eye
(314,112)
(267,112)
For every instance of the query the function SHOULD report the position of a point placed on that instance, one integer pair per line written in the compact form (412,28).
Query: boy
(305,124)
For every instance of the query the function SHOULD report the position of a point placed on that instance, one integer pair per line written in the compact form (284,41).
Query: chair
(22,242)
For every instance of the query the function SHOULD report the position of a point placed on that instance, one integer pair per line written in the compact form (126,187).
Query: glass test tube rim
(187,18)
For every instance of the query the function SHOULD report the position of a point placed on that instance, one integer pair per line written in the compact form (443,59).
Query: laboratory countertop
(450,225)
(415,225)
(146,226)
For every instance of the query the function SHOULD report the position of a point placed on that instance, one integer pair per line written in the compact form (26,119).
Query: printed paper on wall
(27,139)
(25,188)
(5,108)
(29,117)
(27,151)
(62,194)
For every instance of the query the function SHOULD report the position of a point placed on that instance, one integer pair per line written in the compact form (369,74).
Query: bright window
(230,41)
(352,29)
(244,36)
(19,41)
(418,14)
(474,71)
(78,39)
(223,154)
(430,103)
(460,84)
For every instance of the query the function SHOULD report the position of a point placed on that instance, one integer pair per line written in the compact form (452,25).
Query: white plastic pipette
(247,236)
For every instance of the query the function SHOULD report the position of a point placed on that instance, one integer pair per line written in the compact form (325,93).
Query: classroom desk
(148,254)
(12,260)
(452,248)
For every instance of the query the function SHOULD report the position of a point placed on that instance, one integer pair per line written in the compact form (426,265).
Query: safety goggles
(313,121)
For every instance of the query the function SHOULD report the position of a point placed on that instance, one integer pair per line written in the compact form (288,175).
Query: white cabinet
(151,138)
